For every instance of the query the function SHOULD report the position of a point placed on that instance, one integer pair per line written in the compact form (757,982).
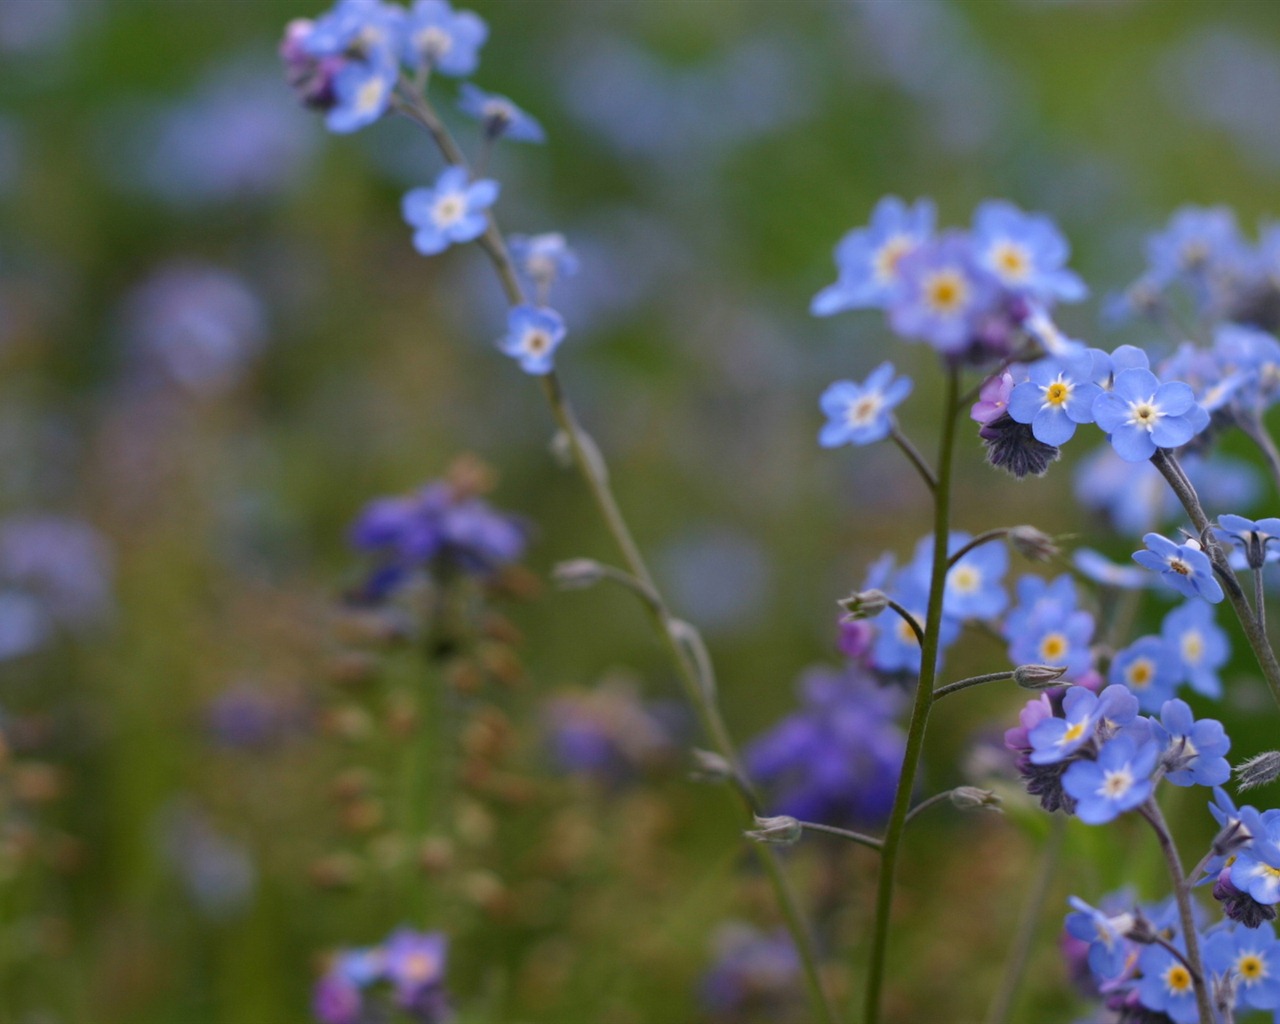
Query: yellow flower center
(888,256)
(946,292)
(1012,261)
(1073,733)
(1140,673)
(1053,647)
(966,579)
(1057,393)
(1251,967)
(905,633)
(420,966)
(369,96)
(1177,979)
(1192,646)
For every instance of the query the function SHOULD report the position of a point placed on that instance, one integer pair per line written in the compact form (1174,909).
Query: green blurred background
(704,157)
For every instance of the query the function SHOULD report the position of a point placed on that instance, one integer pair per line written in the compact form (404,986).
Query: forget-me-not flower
(867,258)
(1058,396)
(1025,251)
(1194,752)
(1118,781)
(1166,985)
(1201,645)
(445,40)
(1183,566)
(1056,739)
(450,211)
(860,413)
(1251,957)
(1253,537)
(942,292)
(499,116)
(1149,668)
(533,334)
(1141,414)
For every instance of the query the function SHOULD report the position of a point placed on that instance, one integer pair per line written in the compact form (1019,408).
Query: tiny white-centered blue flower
(861,413)
(1057,396)
(867,258)
(362,92)
(533,335)
(1141,414)
(450,211)
(1183,566)
(443,39)
(500,118)
(1025,251)
(1118,781)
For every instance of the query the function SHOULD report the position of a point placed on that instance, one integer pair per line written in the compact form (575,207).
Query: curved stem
(913,455)
(909,619)
(1168,465)
(1015,965)
(854,837)
(983,538)
(1182,893)
(964,684)
(673,632)
(920,707)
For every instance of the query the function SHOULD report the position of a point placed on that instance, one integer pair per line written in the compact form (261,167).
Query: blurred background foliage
(216,344)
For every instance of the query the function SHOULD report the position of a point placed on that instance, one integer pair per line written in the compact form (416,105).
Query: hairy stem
(964,684)
(1165,461)
(919,709)
(854,837)
(986,537)
(672,632)
(1182,893)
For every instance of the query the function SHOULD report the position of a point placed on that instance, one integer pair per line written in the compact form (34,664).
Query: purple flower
(450,211)
(861,413)
(607,733)
(754,973)
(499,116)
(1140,414)
(533,335)
(867,259)
(414,963)
(1057,739)
(1183,566)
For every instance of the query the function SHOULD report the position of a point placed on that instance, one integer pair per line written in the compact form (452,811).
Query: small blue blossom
(1046,628)
(1056,739)
(1251,956)
(1200,644)
(755,974)
(943,292)
(867,258)
(1252,537)
(1254,356)
(445,40)
(363,29)
(362,92)
(1183,566)
(450,211)
(974,588)
(1166,986)
(543,259)
(896,648)
(415,963)
(1110,952)
(1099,568)
(1026,252)
(860,413)
(533,334)
(1150,668)
(1256,869)
(499,116)
(1118,781)
(1195,242)
(1194,752)
(1057,397)
(1140,414)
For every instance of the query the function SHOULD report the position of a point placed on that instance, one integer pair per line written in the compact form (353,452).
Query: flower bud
(1038,677)
(709,766)
(971,797)
(864,604)
(783,830)
(578,573)
(1032,544)
(1258,771)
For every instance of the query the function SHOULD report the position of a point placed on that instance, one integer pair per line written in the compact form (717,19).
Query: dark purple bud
(1240,906)
(1012,447)
(310,78)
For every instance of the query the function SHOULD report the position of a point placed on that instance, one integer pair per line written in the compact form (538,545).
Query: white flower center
(433,41)
(885,262)
(1116,784)
(1192,647)
(369,96)
(1145,414)
(946,292)
(965,579)
(864,411)
(536,341)
(1011,261)
(449,209)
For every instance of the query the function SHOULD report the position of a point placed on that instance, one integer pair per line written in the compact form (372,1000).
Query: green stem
(964,684)
(1182,893)
(854,837)
(1015,965)
(1165,461)
(920,706)
(672,632)
(913,455)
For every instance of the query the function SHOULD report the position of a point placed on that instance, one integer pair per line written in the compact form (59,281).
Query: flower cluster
(409,963)
(1093,754)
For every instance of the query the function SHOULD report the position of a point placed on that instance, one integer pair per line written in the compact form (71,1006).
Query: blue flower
(499,116)
(1150,668)
(1110,952)
(943,292)
(1099,568)
(1194,243)
(1183,566)
(443,39)
(1057,396)
(974,589)
(1056,739)
(543,259)
(1252,537)
(860,413)
(1140,414)
(1252,957)
(1256,869)
(415,963)
(753,970)
(1166,986)
(450,211)
(533,334)
(1194,753)
(362,92)
(867,258)
(1200,644)
(1118,781)
(1046,628)
(1026,252)
(1253,355)
(896,648)
(362,29)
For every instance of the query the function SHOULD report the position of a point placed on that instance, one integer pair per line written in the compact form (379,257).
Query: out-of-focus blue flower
(357,28)
(1110,952)
(1118,781)
(533,335)
(361,94)
(543,259)
(1194,752)
(414,964)
(1099,568)
(1250,536)
(1165,985)
(1057,397)
(754,973)
(216,870)
(452,210)
(1046,628)
(1196,242)
(1200,644)
(975,587)
(1183,566)
(861,413)
(445,40)
(335,1000)
(1256,869)
(607,733)
(499,117)
(1251,956)
(247,717)
(838,758)
(868,259)
(198,325)
(1141,414)
(438,529)
(365,36)
(1251,359)
(1056,739)
(1150,668)
(942,294)
(896,648)
(1026,252)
